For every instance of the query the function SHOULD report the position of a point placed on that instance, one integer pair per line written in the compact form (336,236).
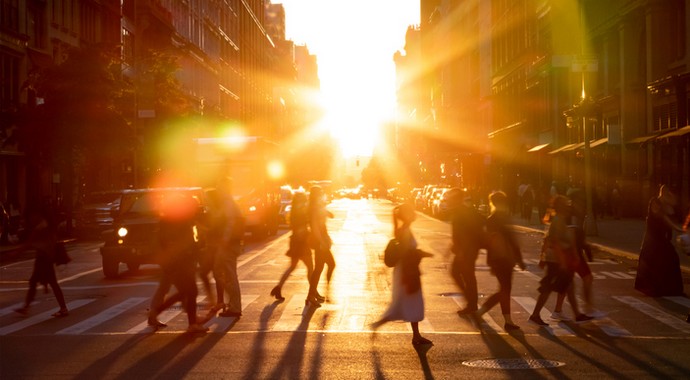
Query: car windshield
(148,203)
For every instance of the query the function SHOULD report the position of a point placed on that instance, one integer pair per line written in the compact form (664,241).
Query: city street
(106,335)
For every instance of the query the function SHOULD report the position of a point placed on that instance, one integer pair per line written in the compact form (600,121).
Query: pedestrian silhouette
(502,254)
(299,246)
(178,259)
(321,243)
(658,269)
(468,238)
(230,248)
(407,303)
(559,257)
(43,241)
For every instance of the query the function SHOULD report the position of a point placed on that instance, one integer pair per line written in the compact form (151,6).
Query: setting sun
(354,43)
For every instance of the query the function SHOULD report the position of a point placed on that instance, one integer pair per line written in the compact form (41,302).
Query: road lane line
(656,313)
(102,317)
(42,317)
(558,329)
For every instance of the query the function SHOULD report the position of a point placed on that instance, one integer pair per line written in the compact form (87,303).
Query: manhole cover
(513,363)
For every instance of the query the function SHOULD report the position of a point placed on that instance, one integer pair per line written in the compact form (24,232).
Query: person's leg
(470,280)
(319,262)
(417,338)
(505,278)
(232,283)
(330,261)
(158,298)
(57,292)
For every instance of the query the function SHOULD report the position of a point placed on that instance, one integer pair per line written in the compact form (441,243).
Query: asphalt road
(105,335)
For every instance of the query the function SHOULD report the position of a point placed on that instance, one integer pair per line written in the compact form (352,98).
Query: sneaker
(468,311)
(421,341)
(511,327)
(228,313)
(22,310)
(559,316)
(583,318)
(537,320)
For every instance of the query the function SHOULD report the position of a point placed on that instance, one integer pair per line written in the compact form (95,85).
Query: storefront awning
(596,143)
(574,147)
(676,133)
(641,140)
(539,147)
(562,149)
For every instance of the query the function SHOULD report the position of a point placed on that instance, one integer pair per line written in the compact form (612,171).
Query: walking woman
(560,258)
(407,302)
(321,243)
(658,270)
(43,240)
(299,245)
(503,253)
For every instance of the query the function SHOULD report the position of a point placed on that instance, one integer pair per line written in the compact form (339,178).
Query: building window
(127,47)
(9,15)
(9,71)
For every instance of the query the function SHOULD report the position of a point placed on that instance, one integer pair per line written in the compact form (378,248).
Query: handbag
(61,255)
(391,255)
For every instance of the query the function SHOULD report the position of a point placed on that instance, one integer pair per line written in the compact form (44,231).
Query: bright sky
(354,41)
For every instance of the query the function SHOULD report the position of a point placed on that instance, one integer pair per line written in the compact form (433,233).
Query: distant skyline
(354,42)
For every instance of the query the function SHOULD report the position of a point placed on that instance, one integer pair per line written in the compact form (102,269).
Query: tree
(78,132)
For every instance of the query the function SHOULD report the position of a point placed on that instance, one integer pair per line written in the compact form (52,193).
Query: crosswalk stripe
(292,315)
(38,318)
(610,327)
(165,316)
(222,324)
(617,275)
(679,300)
(559,329)
(655,313)
(101,317)
(486,318)
(10,309)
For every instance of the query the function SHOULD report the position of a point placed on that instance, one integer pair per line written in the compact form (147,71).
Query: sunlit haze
(354,42)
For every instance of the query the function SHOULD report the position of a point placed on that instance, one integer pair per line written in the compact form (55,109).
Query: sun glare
(356,68)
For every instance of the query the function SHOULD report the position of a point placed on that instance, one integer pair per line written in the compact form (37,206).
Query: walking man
(230,248)
(468,237)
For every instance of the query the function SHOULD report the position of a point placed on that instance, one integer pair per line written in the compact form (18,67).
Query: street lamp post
(584,110)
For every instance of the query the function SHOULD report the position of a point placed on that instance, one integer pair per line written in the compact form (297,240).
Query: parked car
(286,193)
(133,240)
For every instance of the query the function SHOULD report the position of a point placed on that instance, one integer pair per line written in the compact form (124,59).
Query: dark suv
(134,237)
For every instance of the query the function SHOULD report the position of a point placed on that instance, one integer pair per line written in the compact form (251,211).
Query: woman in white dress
(407,302)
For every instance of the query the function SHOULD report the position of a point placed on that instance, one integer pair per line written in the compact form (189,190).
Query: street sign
(582,64)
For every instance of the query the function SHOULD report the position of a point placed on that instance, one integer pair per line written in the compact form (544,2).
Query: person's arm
(658,209)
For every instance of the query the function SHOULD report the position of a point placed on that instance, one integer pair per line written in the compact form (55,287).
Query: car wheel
(133,267)
(111,267)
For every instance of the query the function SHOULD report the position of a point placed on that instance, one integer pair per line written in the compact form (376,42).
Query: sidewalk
(621,237)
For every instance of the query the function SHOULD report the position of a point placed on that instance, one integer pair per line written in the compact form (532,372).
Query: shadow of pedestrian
(254,366)
(421,352)
(376,362)
(290,363)
(100,367)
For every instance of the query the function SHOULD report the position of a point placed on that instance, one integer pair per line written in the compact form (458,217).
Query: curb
(603,248)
